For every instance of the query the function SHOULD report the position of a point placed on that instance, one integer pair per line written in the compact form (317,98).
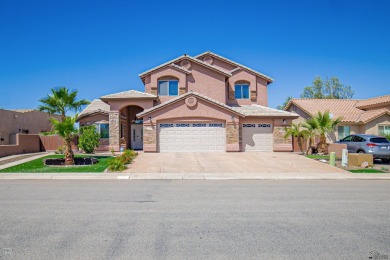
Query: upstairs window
(241,91)
(168,87)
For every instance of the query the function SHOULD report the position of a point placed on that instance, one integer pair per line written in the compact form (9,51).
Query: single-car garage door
(191,137)
(257,137)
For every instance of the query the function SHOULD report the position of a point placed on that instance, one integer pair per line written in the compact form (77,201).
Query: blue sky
(100,47)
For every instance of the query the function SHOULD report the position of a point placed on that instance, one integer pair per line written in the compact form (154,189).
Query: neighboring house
(22,121)
(201,103)
(368,116)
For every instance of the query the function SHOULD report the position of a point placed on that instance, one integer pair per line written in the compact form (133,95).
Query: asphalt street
(194,219)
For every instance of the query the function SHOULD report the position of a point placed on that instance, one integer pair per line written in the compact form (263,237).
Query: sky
(100,47)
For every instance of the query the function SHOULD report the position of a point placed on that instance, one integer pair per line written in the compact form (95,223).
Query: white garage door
(191,137)
(257,137)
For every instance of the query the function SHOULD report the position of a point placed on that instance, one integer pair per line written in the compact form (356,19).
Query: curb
(187,176)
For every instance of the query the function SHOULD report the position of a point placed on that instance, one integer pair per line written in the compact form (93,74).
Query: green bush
(128,156)
(89,139)
(116,165)
(387,136)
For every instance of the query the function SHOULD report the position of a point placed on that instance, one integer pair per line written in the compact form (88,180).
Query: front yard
(37,166)
(379,166)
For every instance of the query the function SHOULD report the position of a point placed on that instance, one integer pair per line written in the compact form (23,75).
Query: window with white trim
(103,130)
(343,131)
(241,91)
(168,87)
(384,130)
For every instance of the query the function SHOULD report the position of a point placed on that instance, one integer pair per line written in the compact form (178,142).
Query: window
(348,139)
(241,91)
(168,87)
(358,139)
(102,130)
(343,131)
(384,130)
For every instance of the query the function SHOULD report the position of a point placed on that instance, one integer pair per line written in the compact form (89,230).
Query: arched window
(168,87)
(241,90)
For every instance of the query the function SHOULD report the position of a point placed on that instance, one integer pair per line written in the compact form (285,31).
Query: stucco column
(114,130)
(232,137)
(150,137)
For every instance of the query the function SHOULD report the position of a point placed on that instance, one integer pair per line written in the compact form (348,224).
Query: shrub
(387,136)
(116,165)
(89,139)
(60,150)
(128,156)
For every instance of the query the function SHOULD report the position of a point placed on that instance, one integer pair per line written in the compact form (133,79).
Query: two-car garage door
(191,137)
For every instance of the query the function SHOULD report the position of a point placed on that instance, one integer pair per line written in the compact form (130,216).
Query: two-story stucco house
(201,103)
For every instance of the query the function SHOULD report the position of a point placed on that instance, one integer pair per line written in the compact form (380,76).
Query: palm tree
(310,131)
(295,131)
(60,101)
(67,130)
(324,124)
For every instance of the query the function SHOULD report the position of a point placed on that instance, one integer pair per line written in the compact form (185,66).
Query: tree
(311,127)
(60,101)
(67,130)
(295,131)
(281,107)
(330,88)
(89,139)
(323,123)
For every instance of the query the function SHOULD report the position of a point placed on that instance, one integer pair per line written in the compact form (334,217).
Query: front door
(136,136)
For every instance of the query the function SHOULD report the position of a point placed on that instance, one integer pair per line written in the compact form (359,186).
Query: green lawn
(38,166)
(315,156)
(366,171)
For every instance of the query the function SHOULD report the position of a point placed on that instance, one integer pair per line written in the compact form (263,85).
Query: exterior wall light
(284,121)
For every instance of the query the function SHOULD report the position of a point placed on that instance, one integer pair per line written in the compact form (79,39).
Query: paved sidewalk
(21,158)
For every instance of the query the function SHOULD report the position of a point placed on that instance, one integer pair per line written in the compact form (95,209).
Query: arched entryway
(131,128)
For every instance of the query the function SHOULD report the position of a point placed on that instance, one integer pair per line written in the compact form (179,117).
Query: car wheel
(361,151)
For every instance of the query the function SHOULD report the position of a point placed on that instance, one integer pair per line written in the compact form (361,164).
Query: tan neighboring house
(192,103)
(368,116)
(22,121)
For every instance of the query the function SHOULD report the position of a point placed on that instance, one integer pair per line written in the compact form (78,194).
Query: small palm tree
(295,131)
(67,130)
(60,101)
(324,124)
(310,130)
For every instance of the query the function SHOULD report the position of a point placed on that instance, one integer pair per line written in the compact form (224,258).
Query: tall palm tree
(60,101)
(324,123)
(67,130)
(295,131)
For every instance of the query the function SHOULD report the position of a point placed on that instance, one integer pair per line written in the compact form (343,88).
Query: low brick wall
(25,143)
(337,148)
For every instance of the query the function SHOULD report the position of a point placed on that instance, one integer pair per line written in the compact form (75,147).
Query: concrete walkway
(13,160)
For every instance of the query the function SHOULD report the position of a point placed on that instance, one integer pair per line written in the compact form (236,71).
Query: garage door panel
(257,137)
(190,137)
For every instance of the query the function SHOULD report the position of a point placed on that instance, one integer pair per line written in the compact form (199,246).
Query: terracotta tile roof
(370,115)
(128,94)
(147,111)
(374,102)
(345,108)
(257,110)
(96,106)
(240,66)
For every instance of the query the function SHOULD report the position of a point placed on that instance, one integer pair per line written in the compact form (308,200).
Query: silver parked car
(378,146)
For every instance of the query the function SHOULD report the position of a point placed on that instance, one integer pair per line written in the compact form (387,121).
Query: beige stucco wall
(372,127)
(12,122)
(210,83)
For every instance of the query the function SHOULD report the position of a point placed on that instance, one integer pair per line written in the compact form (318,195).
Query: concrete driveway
(247,165)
